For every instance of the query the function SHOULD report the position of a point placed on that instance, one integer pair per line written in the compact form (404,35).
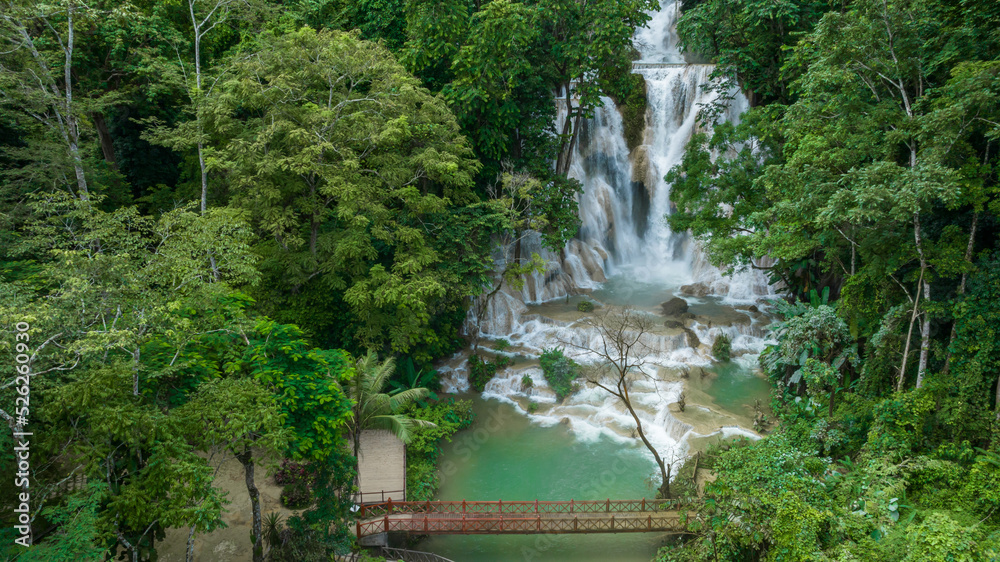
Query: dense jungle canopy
(222,220)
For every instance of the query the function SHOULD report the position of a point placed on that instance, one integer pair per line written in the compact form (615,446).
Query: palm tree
(374,409)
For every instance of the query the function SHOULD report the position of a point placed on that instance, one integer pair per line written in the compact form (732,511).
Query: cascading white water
(624,235)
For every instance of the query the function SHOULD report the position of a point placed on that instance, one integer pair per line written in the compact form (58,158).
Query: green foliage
(372,408)
(722,348)
(560,371)
(750,38)
(449,417)
(941,538)
(526,381)
(325,165)
(296,496)
(307,383)
(407,377)
(482,371)
(77,536)
(810,333)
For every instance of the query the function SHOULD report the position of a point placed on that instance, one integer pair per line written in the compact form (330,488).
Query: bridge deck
(520,517)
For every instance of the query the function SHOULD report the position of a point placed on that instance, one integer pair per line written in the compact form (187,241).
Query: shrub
(422,479)
(722,347)
(482,371)
(585,306)
(291,473)
(296,496)
(560,371)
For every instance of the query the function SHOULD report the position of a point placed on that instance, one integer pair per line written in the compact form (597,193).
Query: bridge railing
(517,507)
(471,525)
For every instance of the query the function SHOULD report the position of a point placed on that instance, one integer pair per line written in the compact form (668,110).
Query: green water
(623,290)
(506,457)
(736,388)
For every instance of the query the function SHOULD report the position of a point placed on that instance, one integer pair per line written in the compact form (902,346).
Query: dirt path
(231,544)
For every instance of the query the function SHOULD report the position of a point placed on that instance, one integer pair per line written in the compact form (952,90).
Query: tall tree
(342,169)
(37,80)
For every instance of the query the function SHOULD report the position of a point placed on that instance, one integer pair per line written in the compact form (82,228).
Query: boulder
(695,290)
(692,338)
(674,307)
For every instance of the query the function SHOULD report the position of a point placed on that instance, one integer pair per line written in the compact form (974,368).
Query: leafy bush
(423,449)
(407,376)
(482,371)
(296,496)
(722,347)
(560,371)
(585,306)
(291,473)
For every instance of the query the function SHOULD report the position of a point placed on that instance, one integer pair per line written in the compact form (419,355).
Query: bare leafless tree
(622,351)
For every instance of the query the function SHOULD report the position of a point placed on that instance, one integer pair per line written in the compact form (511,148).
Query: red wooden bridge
(520,517)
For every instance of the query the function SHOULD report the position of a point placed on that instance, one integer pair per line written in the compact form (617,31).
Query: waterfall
(624,239)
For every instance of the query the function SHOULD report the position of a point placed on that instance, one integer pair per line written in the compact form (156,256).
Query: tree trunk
(204,176)
(73,128)
(664,473)
(909,336)
(256,532)
(135,372)
(925,326)
(189,551)
(107,144)
(562,161)
(961,291)
(998,398)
